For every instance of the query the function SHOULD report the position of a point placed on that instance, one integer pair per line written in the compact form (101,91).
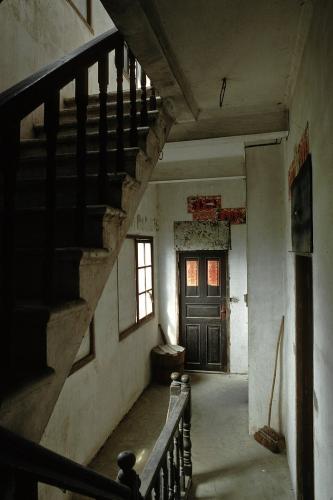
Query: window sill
(131,329)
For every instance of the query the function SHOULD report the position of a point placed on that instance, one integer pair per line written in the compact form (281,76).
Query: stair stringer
(28,410)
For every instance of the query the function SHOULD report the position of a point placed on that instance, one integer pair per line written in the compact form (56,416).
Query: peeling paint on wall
(202,235)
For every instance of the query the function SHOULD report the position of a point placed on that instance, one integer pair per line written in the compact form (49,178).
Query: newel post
(186,388)
(127,475)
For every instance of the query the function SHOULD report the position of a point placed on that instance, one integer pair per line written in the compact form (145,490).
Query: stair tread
(98,209)
(128,151)
(72,137)
(111,95)
(118,177)
(95,119)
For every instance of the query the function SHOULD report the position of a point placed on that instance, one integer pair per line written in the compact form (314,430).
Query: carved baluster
(171,468)
(120,106)
(152,99)
(10,149)
(144,112)
(177,468)
(127,475)
(51,126)
(186,387)
(181,456)
(103,82)
(157,486)
(165,479)
(134,126)
(81,99)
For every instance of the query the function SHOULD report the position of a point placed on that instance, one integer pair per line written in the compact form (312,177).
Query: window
(86,351)
(83,8)
(135,283)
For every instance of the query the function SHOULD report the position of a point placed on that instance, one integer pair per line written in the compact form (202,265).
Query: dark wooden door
(203,306)
(304,378)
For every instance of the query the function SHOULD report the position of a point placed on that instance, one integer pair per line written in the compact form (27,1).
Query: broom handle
(275,369)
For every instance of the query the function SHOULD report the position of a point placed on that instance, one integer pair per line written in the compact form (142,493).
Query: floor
(228,464)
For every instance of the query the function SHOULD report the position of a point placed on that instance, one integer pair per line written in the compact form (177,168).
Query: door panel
(202,305)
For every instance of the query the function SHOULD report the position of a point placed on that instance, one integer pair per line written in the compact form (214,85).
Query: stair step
(93,123)
(29,271)
(30,226)
(34,166)
(29,347)
(66,143)
(112,97)
(31,193)
(69,111)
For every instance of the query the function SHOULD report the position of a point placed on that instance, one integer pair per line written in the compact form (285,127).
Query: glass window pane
(141,280)
(149,283)
(141,254)
(192,273)
(149,302)
(213,273)
(142,305)
(213,278)
(147,254)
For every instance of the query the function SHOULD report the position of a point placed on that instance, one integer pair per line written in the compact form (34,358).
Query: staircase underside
(55,333)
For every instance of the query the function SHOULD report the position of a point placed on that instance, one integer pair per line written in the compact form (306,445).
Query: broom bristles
(270,439)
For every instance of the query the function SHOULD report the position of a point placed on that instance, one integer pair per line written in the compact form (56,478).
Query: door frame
(227,299)
(304,376)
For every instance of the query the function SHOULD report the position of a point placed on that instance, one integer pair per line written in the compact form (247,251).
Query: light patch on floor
(228,464)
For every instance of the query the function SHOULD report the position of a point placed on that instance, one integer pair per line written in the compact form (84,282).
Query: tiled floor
(227,463)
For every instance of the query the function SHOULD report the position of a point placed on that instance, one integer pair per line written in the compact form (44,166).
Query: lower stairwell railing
(167,474)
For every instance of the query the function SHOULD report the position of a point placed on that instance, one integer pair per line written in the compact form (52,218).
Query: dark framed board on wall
(301,209)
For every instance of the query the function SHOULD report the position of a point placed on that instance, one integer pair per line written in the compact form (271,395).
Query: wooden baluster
(103,82)
(134,126)
(127,475)
(186,387)
(171,468)
(81,99)
(144,112)
(51,126)
(157,486)
(176,468)
(10,149)
(165,479)
(181,456)
(152,99)
(120,107)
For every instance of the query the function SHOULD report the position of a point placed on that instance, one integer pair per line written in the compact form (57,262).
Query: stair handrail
(167,473)
(169,467)
(22,459)
(24,97)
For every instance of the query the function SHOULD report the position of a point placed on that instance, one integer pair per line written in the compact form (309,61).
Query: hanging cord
(222,93)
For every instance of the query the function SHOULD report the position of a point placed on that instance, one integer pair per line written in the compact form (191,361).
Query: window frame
(139,322)
(87,20)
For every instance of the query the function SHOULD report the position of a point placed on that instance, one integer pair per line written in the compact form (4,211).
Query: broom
(266,436)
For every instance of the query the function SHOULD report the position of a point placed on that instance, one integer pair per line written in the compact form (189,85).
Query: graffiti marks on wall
(209,208)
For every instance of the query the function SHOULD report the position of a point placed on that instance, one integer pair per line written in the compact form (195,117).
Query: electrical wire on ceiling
(222,92)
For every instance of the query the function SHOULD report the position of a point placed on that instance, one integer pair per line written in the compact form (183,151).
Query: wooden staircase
(67,199)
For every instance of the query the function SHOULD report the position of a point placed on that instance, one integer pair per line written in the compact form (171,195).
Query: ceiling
(254,45)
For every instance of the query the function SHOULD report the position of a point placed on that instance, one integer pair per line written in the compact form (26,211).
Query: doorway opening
(304,378)
(204,306)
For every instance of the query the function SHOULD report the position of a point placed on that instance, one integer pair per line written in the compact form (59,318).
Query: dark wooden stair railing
(43,88)
(167,474)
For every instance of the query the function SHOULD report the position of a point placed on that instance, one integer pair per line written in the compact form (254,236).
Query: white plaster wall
(265,260)
(34,33)
(172,203)
(313,102)
(95,398)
